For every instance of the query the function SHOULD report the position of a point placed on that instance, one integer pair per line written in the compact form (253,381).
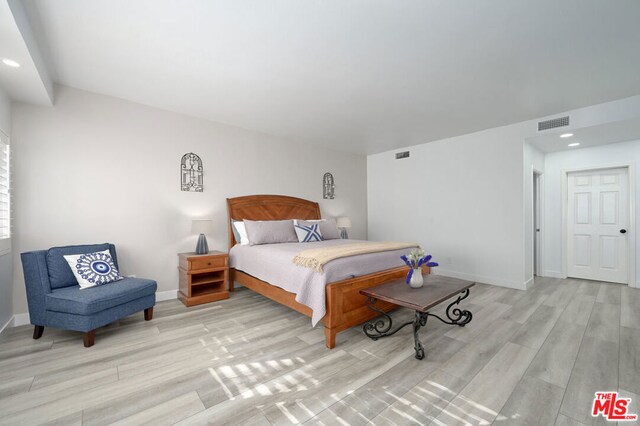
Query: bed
(345,306)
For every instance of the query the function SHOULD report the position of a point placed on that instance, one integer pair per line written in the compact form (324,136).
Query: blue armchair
(55,299)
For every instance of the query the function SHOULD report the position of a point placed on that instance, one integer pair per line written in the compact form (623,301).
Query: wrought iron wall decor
(328,186)
(191,173)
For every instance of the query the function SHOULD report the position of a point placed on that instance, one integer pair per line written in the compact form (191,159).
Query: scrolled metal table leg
(455,315)
(419,322)
(380,326)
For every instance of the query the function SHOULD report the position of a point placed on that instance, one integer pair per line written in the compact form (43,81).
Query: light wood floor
(534,357)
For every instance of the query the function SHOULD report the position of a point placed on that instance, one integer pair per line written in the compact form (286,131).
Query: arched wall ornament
(191,173)
(328,186)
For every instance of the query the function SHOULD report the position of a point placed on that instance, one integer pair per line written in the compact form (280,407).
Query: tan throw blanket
(318,257)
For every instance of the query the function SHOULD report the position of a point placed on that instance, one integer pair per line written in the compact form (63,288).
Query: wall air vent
(553,123)
(400,155)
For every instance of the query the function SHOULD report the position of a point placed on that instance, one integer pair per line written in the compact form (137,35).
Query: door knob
(623,231)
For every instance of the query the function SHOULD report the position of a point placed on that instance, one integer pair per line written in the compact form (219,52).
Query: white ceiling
(357,75)
(604,134)
(30,82)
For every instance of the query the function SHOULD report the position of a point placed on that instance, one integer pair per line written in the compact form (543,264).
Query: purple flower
(409,275)
(415,260)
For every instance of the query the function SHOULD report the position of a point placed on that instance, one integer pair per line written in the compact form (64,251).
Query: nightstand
(203,277)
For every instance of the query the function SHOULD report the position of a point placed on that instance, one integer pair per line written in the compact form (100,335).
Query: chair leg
(37,331)
(148,314)
(89,338)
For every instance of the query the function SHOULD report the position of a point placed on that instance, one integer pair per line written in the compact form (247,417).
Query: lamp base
(343,234)
(202,247)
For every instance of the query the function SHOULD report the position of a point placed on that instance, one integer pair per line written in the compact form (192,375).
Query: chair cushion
(92,300)
(60,274)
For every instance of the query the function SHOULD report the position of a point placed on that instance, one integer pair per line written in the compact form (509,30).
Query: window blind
(5,200)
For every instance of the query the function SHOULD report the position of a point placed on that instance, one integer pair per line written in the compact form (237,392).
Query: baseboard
(161,296)
(479,278)
(21,319)
(6,325)
(529,283)
(553,274)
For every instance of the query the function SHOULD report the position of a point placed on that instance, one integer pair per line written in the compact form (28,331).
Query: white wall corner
(8,324)
(529,283)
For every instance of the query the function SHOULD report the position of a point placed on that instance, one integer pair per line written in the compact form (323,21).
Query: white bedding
(273,263)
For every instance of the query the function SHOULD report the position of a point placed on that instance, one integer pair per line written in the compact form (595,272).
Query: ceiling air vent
(553,123)
(400,155)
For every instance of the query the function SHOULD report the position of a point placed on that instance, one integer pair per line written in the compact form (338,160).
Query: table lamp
(343,223)
(202,227)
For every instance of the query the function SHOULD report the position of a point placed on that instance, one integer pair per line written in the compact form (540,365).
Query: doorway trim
(538,204)
(631,240)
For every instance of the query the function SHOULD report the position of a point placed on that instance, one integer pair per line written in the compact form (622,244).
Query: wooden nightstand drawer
(209,262)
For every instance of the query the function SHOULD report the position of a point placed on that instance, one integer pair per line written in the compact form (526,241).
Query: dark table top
(436,290)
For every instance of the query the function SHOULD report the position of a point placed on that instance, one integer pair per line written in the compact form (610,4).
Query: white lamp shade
(343,222)
(201,226)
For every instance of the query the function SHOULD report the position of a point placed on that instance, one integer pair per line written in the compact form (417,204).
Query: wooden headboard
(269,207)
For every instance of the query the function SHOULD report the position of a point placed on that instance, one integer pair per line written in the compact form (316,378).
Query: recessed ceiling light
(10,63)
(566,135)
(574,144)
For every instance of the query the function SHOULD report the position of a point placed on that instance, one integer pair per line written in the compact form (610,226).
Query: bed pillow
(239,232)
(308,231)
(328,228)
(270,231)
(93,269)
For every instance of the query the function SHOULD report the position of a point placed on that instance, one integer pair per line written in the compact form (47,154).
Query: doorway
(598,208)
(537,222)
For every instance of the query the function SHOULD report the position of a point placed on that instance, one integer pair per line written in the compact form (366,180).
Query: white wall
(558,162)
(95,168)
(469,199)
(6,270)
(533,160)
(460,198)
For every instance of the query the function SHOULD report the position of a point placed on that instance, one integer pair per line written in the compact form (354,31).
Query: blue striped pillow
(308,232)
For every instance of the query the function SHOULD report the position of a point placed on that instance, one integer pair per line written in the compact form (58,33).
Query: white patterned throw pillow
(307,232)
(92,269)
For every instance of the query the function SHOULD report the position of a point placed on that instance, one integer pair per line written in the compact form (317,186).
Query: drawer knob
(209,263)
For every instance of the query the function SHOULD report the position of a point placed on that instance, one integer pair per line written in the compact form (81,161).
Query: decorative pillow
(307,231)
(270,231)
(239,232)
(60,275)
(328,227)
(92,269)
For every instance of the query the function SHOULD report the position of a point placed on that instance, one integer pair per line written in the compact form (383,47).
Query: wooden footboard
(345,305)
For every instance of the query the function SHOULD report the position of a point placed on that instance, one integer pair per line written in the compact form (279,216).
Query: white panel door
(598,225)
